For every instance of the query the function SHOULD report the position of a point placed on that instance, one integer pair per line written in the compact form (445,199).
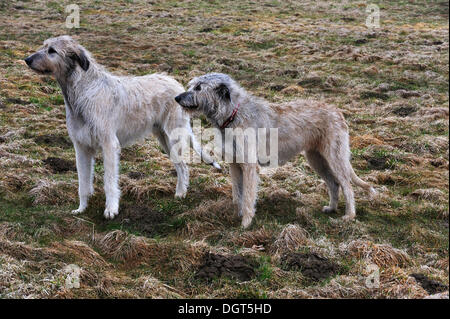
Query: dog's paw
(246,221)
(180,195)
(373,193)
(110,214)
(217,166)
(328,210)
(78,211)
(348,218)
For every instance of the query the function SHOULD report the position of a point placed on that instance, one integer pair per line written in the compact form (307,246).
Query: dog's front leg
(250,189)
(236,180)
(111,153)
(85,166)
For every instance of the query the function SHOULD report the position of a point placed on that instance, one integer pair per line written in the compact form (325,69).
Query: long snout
(29,60)
(186,100)
(179,97)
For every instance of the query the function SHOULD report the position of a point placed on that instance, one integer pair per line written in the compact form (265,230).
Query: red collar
(230,119)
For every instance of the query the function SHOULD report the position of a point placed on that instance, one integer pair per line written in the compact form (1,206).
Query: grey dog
(317,129)
(106,112)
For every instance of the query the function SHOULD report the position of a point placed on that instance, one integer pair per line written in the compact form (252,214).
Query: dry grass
(391,84)
(291,238)
(383,255)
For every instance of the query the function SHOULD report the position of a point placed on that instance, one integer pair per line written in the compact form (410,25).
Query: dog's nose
(178,98)
(29,60)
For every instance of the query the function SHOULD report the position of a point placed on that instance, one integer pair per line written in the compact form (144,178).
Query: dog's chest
(79,130)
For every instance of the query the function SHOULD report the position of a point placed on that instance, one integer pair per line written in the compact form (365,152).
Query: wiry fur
(317,129)
(106,112)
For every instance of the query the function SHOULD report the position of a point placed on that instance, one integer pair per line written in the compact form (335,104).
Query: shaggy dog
(317,129)
(106,112)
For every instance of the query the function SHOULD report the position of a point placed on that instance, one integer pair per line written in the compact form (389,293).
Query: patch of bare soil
(378,163)
(404,111)
(312,266)
(142,219)
(431,286)
(235,267)
(136,175)
(53,140)
(59,165)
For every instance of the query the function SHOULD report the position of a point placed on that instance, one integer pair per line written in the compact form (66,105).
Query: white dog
(106,112)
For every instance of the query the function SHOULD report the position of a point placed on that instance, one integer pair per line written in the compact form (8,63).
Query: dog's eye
(51,50)
(197,88)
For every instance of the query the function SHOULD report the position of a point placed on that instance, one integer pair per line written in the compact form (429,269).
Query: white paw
(217,166)
(180,195)
(328,210)
(110,214)
(78,211)
(246,221)
(347,218)
(373,194)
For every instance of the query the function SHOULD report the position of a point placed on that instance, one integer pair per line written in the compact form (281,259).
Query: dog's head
(211,94)
(59,57)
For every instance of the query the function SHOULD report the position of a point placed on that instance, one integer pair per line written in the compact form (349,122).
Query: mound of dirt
(312,266)
(234,266)
(143,219)
(59,165)
(311,81)
(431,286)
(53,140)
(378,163)
(136,175)
(404,111)
(373,94)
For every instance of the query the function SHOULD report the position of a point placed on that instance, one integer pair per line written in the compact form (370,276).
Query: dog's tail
(358,181)
(204,156)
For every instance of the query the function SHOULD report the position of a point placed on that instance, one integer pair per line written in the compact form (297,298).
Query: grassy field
(391,83)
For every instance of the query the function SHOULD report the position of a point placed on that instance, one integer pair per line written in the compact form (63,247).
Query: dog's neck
(75,82)
(230,119)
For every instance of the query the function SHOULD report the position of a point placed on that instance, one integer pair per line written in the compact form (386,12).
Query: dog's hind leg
(250,189)
(339,160)
(180,166)
(358,181)
(111,153)
(237,180)
(85,170)
(320,165)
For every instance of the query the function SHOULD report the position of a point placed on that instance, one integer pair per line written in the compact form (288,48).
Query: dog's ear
(81,58)
(223,92)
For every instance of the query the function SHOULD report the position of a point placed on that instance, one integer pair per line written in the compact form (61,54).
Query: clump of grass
(291,238)
(123,247)
(52,192)
(383,255)
(260,237)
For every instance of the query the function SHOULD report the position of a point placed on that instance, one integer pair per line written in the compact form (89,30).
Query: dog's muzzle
(186,100)
(29,60)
